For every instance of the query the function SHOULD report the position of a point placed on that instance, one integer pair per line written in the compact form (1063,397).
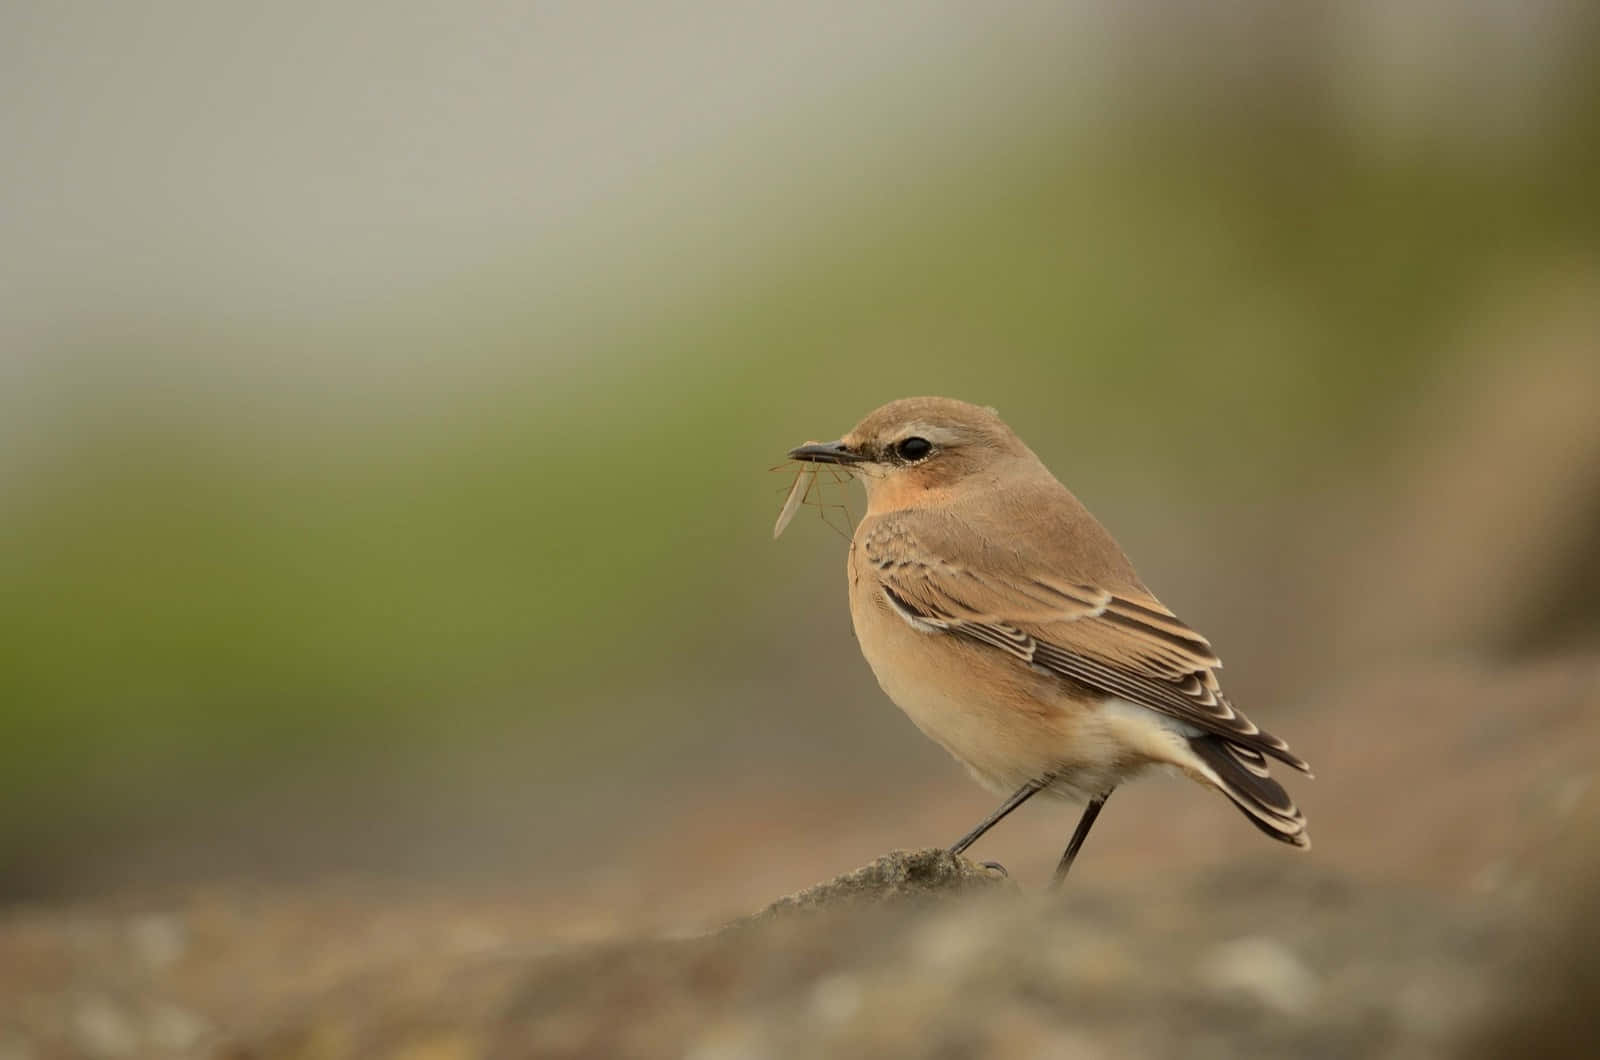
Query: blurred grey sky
(302,160)
(288,164)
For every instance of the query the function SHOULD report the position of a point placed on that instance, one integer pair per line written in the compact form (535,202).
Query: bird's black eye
(912,449)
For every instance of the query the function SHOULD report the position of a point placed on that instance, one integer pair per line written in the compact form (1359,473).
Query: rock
(897,876)
(918,954)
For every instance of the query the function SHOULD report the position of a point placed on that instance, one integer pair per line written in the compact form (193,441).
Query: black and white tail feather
(1241,774)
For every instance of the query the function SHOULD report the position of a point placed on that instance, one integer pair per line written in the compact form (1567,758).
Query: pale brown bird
(1009,626)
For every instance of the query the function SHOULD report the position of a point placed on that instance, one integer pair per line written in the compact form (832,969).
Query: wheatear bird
(1005,621)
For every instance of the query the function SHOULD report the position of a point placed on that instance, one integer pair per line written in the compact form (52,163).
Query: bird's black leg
(1086,822)
(1023,794)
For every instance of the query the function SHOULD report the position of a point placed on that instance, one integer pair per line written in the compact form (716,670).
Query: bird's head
(912,452)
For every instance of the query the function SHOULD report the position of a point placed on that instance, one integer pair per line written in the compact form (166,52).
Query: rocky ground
(916,954)
(1448,896)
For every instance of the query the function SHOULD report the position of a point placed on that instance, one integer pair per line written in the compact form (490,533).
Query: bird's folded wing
(1123,642)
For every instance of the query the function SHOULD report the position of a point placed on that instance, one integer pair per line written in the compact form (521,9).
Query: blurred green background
(389,391)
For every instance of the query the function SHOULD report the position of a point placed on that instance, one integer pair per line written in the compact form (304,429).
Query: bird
(1011,628)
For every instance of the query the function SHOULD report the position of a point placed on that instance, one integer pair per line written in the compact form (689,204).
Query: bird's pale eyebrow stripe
(935,434)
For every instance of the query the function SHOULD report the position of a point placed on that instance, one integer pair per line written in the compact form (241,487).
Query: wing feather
(1123,643)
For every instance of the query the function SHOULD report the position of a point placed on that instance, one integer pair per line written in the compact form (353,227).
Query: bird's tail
(1241,774)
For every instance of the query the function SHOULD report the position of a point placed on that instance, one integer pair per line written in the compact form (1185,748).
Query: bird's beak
(826,453)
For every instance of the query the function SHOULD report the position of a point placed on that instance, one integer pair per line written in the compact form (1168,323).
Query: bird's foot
(995,866)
